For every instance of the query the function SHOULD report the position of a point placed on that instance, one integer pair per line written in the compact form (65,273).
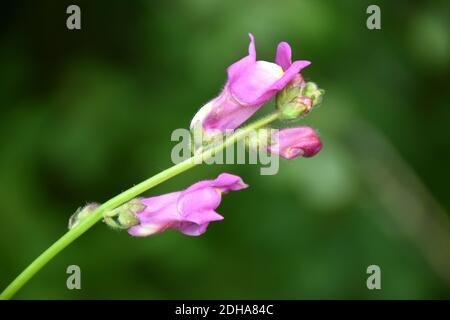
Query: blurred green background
(86,114)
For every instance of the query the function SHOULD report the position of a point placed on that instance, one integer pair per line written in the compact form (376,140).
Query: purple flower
(294,142)
(189,211)
(250,84)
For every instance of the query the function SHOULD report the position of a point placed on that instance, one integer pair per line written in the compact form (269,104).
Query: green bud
(294,109)
(81,214)
(123,217)
(298,98)
(290,92)
(312,91)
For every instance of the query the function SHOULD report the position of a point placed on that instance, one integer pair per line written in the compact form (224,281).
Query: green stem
(123,197)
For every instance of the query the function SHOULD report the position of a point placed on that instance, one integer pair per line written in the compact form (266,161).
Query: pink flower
(189,211)
(294,142)
(250,84)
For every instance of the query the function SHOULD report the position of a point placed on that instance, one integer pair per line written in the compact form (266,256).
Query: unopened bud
(312,91)
(295,108)
(81,214)
(298,98)
(294,142)
(290,92)
(123,217)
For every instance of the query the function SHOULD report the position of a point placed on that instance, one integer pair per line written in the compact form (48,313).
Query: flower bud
(312,91)
(298,98)
(294,109)
(295,142)
(124,216)
(290,92)
(81,214)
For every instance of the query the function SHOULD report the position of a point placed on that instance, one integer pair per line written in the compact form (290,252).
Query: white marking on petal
(271,68)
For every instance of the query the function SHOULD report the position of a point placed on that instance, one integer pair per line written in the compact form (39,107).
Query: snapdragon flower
(190,211)
(251,83)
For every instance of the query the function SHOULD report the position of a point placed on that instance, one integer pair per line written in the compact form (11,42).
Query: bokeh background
(86,114)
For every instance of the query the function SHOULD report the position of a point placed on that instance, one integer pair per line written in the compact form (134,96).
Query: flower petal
(229,182)
(202,217)
(283,56)
(159,202)
(290,73)
(193,202)
(161,211)
(254,81)
(225,182)
(144,231)
(235,70)
(223,113)
(192,229)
